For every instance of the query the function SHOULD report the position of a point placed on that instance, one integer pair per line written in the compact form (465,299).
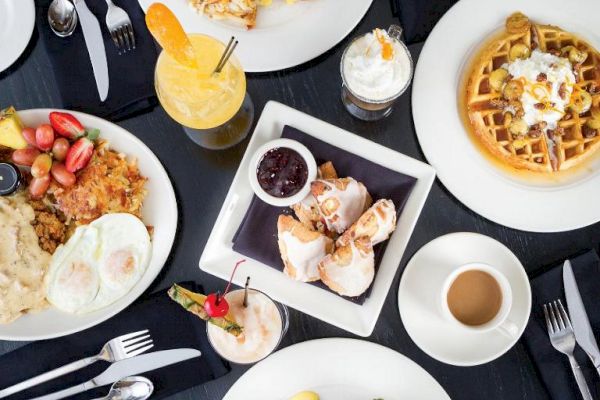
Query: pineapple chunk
(10,129)
(194,303)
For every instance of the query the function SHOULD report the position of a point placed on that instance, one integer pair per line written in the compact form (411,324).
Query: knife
(581,323)
(125,368)
(95,46)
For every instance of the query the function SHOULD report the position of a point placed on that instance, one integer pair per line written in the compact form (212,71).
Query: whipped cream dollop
(376,66)
(557,72)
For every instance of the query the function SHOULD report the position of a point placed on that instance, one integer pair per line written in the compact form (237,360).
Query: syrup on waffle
(547,123)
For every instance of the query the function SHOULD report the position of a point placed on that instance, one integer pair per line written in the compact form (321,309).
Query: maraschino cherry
(215,305)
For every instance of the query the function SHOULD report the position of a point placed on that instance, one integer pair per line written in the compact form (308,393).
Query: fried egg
(99,264)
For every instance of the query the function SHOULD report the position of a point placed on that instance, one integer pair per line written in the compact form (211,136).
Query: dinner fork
(562,338)
(120,28)
(117,349)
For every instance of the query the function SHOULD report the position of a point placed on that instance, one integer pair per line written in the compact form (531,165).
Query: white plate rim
(483,360)
(26,9)
(309,350)
(218,256)
(155,266)
(494,197)
(252,62)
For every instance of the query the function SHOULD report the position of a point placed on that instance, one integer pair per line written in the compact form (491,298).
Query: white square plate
(219,258)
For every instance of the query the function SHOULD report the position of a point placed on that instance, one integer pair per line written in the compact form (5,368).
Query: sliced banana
(497,78)
(581,102)
(518,127)
(517,23)
(575,55)
(512,90)
(519,50)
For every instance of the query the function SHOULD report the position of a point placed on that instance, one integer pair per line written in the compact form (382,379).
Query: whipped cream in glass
(376,66)
(376,69)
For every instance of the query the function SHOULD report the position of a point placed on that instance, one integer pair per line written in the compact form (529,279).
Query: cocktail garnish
(216,305)
(387,50)
(169,33)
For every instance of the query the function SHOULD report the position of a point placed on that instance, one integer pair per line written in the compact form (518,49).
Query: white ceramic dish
(257,157)
(284,36)
(160,211)
(421,312)
(218,257)
(336,369)
(549,207)
(17,18)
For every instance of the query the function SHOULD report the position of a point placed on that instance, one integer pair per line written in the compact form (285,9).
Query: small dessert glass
(283,313)
(369,109)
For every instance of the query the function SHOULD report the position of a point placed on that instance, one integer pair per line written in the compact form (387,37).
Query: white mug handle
(509,329)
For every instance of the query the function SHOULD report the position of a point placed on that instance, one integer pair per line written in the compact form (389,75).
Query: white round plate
(17,18)
(285,35)
(468,175)
(159,211)
(419,299)
(336,369)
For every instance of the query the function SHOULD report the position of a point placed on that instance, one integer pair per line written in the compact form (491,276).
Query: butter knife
(131,366)
(579,319)
(95,46)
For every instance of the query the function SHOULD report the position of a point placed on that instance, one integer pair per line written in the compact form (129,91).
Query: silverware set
(566,331)
(63,16)
(125,353)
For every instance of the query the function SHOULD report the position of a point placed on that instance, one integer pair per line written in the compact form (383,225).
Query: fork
(562,338)
(120,28)
(117,349)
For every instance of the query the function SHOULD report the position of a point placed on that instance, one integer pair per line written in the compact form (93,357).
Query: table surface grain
(201,179)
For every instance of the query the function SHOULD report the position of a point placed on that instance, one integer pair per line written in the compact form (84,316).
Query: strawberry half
(66,125)
(79,154)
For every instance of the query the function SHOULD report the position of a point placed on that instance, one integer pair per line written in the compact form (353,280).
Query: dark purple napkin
(131,74)
(257,235)
(552,366)
(170,326)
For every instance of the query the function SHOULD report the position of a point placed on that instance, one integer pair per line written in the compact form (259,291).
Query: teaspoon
(62,17)
(130,388)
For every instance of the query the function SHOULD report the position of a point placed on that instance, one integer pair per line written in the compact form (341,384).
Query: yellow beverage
(199,98)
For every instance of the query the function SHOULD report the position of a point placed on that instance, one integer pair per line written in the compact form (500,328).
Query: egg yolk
(120,266)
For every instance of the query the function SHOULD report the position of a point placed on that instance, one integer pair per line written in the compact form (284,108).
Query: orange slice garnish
(169,33)
(387,50)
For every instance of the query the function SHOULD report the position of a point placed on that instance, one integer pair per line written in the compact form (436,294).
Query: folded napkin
(131,74)
(553,367)
(170,326)
(257,235)
(418,17)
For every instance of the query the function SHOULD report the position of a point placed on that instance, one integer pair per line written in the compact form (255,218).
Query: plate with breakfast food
(88,217)
(322,217)
(272,34)
(336,368)
(17,18)
(519,99)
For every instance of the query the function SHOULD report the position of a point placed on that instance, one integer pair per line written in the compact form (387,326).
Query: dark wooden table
(202,178)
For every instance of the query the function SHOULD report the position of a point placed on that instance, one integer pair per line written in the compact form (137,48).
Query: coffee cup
(478,298)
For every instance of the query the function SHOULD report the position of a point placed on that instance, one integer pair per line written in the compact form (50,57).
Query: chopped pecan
(559,131)
(588,132)
(539,106)
(562,90)
(539,160)
(542,77)
(567,117)
(499,103)
(594,88)
(534,133)
(554,52)
(539,126)
(509,77)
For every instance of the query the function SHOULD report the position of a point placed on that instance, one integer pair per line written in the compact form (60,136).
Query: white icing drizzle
(304,257)
(351,204)
(355,278)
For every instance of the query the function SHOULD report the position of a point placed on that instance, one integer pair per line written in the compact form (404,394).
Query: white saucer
(419,292)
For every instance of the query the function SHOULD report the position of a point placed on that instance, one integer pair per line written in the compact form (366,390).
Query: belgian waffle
(492,115)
